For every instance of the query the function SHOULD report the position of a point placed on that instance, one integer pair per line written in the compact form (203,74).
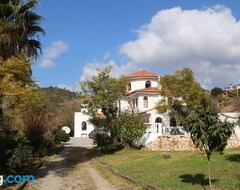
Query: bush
(128,127)
(61,136)
(15,150)
(102,139)
(19,158)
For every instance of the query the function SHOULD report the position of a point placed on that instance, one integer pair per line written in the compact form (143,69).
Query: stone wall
(183,142)
(178,142)
(233,142)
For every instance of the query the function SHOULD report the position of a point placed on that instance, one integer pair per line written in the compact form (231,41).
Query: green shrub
(61,136)
(102,139)
(128,126)
(19,158)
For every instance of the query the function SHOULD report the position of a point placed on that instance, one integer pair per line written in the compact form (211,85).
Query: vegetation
(61,136)
(208,132)
(103,92)
(183,170)
(102,139)
(183,92)
(129,126)
(216,91)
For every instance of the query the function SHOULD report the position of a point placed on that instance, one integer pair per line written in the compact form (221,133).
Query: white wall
(140,84)
(79,117)
(231,117)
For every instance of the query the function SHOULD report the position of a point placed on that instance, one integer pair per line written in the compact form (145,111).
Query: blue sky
(82,35)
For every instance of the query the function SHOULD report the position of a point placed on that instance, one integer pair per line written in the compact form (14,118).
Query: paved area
(71,169)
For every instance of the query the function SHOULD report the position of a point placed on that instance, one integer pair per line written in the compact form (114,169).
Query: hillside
(58,96)
(228,104)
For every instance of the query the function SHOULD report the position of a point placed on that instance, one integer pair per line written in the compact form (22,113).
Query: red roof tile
(143,73)
(100,115)
(150,89)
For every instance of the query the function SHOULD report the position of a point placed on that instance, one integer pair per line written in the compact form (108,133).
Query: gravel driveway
(70,169)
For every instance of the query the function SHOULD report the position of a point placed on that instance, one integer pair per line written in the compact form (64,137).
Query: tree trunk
(209,172)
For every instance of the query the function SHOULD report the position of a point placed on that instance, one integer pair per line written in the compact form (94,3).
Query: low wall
(181,142)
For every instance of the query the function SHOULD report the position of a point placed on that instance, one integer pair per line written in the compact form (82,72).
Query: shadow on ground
(196,179)
(66,159)
(233,157)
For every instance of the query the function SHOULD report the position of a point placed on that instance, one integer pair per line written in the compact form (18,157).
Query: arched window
(145,101)
(129,86)
(173,122)
(148,84)
(158,120)
(84,126)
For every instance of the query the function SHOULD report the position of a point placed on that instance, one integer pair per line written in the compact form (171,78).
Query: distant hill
(58,96)
(228,104)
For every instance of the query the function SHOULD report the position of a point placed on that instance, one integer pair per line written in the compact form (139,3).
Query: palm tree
(20,30)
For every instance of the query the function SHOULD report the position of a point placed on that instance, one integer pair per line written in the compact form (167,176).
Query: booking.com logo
(17,179)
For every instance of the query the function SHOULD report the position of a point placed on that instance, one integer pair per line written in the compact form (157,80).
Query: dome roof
(142,74)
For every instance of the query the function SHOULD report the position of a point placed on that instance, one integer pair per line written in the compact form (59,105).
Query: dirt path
(70,169)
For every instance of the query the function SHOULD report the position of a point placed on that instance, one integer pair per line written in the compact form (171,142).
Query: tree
(183,93)
(19,42)
(103,92)
(20,28)
(129,126)
(65,114)
(15,82)
(208,132)
(216,91)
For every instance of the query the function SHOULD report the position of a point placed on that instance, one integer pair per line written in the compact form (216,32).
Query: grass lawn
(177,169)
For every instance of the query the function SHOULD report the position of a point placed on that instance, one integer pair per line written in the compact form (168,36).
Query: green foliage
(232,93)
(166,156)
(61,136)
(19,158)
(102,139)
(208,132)
(185,91)
(103,92)
(129,126)
(57,97)
(216,91)
(19,28)
(15,149)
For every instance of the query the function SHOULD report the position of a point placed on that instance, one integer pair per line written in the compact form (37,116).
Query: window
(158,120)
(129,86)
(173,122)
(145,101)
(136,100)
(147,84)
(84,126)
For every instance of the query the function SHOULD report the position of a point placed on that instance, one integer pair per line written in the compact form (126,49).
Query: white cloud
(47,63)
(52,52)
(208,41)
(57,48)
(106,56)
(90,69)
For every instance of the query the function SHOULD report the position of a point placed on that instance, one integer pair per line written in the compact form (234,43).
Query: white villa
(141,96)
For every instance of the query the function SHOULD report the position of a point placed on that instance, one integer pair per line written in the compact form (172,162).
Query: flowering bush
(128,126)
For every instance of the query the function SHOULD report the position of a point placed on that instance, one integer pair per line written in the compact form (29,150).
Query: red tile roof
(100,115)
(143,73)
(150,89)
